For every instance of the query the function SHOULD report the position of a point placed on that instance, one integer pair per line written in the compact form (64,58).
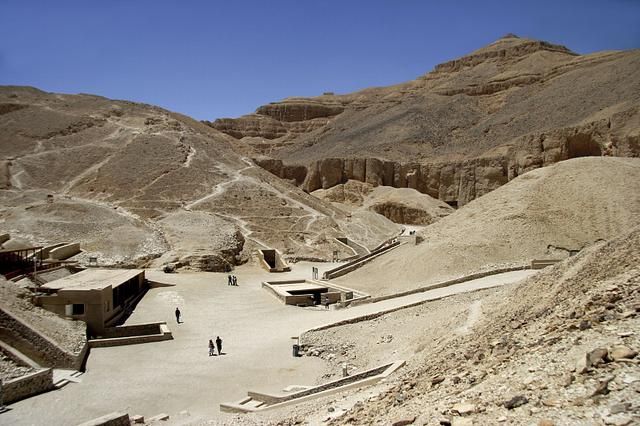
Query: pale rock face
(464,129)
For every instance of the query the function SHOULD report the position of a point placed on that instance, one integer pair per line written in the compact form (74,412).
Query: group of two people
(212,347)
(232,280)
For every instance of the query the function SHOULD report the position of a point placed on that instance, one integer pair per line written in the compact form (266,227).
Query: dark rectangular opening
(269,257)
(77,309)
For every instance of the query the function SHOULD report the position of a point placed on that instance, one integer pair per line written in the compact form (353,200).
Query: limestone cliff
(460,131)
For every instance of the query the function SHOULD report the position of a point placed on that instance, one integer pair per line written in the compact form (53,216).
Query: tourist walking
(178,314)
(212,348)
(235,280)
(229,280)
(219,345)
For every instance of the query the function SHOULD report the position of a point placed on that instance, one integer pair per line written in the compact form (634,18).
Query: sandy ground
(179,375)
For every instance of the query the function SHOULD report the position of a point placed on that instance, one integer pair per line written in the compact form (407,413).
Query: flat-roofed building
(99,297)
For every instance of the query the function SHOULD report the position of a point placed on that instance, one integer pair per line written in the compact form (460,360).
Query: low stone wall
(111,419)
(133,335)
(358,262)
(27,385)
(50,351)
(445,283)
(374,315)
(132,330)
(276,399)
(65,251)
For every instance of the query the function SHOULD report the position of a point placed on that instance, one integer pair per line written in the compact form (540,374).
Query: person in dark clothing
(219,345)
(178,315)
(212,348)
(229,280)
(235,280)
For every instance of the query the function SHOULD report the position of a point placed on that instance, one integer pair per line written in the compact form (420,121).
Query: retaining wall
(133,335)
(111,419)
(356,263)
(27,385)
(48,350)
(65,251)
(374,315)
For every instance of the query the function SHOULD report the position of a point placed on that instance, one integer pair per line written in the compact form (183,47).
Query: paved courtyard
(176,375)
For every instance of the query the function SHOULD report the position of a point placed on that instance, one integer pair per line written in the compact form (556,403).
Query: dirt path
(179,375)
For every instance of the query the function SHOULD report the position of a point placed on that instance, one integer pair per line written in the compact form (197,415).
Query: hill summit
(462,130)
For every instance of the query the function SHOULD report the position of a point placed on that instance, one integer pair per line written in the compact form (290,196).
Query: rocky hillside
(560,348)
(546,213)
(132,182)
(461,130)
(400,205)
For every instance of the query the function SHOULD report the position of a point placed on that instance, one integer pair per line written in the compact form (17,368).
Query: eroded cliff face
(460,131)
(459,181)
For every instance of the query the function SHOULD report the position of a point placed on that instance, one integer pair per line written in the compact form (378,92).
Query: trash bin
(296,350)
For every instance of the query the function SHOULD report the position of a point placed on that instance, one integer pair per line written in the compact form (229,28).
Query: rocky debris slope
(558,348)
(400,205)
(546,213)
(118,172)
(462,130)
(70,335)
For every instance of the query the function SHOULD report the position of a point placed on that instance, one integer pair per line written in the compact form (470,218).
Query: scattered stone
(502,419)
(597,356)
(458,421)
(549,402)
(584,325)
(515,402)
(331,409)
(404,422)
(625,334)
(619,408)
(583,364)
(567,380)
(464,408)
(160,417)
(619,352)
(603,387)
(437,380)
(445,422)
(546,422)
(137,418)
(617,420)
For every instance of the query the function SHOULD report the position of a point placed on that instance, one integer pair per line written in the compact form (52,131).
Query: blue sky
(212,59)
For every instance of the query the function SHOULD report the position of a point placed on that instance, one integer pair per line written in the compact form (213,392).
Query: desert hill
(132,182)
(558,348)
(545,213)
(459,131)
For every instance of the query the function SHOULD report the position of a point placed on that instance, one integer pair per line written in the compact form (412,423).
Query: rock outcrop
(460,131)
(400,205)
(136,184)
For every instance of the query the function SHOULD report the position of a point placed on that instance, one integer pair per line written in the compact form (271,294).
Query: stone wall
(27,385)
(46,348)
(65,251)
(111,419)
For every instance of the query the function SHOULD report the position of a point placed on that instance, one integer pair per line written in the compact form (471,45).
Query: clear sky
(212,59)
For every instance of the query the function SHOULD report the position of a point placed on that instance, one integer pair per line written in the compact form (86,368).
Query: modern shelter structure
(311,292)
(99,297)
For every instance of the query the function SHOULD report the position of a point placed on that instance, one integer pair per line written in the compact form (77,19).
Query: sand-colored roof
(93,279)
(299,287)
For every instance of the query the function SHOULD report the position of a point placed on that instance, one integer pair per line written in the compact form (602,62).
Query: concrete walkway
(178,375)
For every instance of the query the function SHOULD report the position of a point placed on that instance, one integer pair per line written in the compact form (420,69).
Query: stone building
(99,297)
